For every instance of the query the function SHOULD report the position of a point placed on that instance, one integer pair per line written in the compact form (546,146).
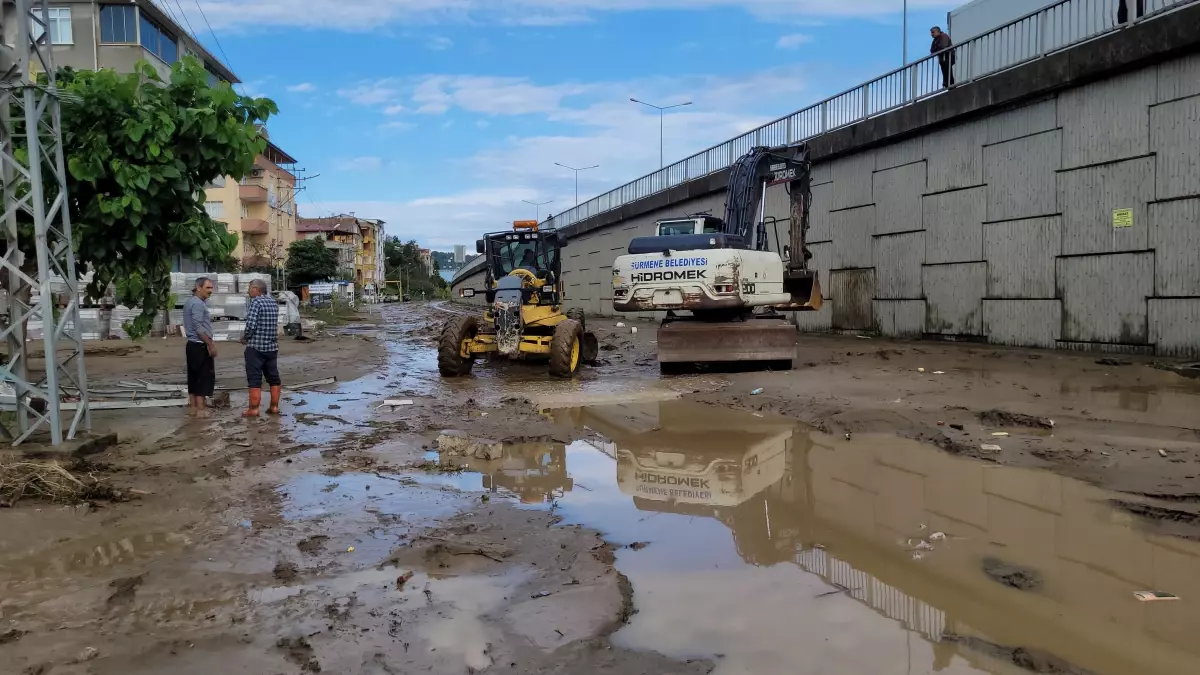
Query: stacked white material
(228,331)
(244,280)
(226,283)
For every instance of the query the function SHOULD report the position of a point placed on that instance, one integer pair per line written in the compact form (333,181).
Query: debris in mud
(1013,576)
(990,447)
(1174,521)
(1154,596)
(1113,362)
(298,651)
(403,579)
(313,419)
(639,545)
(87,655)
(286,571)
(1031,659)
(123,591)
(10,635)
(52,481)
(1001,418)
(431,466)
(958,427)
(313,545)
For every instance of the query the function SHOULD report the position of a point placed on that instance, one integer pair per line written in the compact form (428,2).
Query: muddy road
(846,519)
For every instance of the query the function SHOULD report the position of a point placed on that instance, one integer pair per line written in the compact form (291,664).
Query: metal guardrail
(1030,37)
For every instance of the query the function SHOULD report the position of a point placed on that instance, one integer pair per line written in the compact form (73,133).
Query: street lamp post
(660,110)
(538,208)
(905,29)
(594,166)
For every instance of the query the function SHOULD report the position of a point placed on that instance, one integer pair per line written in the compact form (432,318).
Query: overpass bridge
(1051,198)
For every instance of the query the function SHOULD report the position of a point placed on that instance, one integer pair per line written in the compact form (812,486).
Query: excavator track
(755,339)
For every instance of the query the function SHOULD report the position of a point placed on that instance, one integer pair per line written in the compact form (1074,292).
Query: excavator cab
(525,317)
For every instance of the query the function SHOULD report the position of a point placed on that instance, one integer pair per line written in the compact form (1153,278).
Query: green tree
(139,152)
(309,260)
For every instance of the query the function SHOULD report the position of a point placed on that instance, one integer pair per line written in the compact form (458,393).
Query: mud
(622,522)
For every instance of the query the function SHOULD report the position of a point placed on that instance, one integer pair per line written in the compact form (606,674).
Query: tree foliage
(402,262)
(310,260)
(139,152)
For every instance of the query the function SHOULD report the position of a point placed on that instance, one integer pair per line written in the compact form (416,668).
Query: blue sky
(441,116)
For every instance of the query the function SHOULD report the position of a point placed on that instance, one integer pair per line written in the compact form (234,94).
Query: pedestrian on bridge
(942,43)
(262,348)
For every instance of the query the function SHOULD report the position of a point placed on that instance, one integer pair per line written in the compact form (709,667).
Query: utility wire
(214,34)
(187,22)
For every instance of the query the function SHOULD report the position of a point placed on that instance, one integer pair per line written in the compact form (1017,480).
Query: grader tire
(566,348)
(576,314)
(451,362)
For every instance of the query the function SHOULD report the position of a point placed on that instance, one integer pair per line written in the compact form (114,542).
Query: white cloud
(483,124)
(439,43)
(395,109)
(396,125)
(793,41)
(591,123)
(378,92)
(445,220)
(359,164)
(302,88)
(365,15)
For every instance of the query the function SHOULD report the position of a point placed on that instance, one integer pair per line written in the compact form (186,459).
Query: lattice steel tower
(36,217)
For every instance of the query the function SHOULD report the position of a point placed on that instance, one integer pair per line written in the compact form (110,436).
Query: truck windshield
(675,227)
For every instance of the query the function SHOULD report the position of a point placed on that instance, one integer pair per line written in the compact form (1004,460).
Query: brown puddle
(774,548)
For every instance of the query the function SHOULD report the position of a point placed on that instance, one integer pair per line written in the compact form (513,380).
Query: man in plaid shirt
(262,348)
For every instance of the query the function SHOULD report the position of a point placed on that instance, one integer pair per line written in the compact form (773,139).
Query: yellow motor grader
(525,316)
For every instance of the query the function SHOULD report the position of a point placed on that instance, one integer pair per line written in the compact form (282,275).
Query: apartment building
(260,209)
(370,270)
(95,34)
(341,234)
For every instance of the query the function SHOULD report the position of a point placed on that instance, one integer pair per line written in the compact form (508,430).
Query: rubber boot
(276,392)
(255,402)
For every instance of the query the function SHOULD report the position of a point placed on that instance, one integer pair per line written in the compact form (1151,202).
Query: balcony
(253,191)
(255,226)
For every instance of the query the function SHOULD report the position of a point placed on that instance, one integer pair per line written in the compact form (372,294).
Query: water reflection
(535,473)
(858,518)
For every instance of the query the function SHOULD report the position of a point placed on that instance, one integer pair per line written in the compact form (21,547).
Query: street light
(594,166)
(905,29)
(538,206)
(660,110)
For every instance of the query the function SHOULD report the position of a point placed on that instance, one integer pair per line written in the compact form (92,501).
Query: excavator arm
(749,179)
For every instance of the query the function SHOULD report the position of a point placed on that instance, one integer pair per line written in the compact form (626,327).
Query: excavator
(723,272)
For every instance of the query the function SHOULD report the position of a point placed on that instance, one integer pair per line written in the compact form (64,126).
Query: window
(213,75)
(59,24)
(245,211)
(158,41)
(215,210)
(118,23)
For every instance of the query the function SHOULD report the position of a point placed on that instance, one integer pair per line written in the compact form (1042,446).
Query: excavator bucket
(805,290)
(772,339)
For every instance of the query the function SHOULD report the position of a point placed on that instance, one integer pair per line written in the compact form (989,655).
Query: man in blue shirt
(201,351)
(262,348)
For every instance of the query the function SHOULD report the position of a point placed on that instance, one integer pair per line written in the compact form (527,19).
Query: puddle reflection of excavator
(718,466)
(535,472)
